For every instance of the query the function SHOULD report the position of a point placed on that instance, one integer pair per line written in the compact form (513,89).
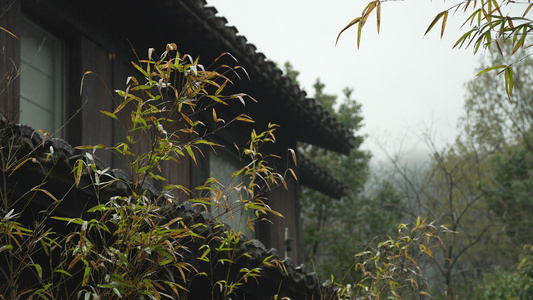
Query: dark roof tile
(313,176)
(336,136)
(295,278)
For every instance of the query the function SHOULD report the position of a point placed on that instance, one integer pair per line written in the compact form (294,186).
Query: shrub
(132,242)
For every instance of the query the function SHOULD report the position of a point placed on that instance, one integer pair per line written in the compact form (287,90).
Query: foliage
(460,181)
(517,285)
(491,120)
(329,224)
(134,246)
(334,229)
(453,190)
(503,129)
(480,184)
(488,22)
(511,197)
(391,270)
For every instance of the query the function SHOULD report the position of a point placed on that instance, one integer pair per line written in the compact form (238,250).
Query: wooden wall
(88,125)
(9,58)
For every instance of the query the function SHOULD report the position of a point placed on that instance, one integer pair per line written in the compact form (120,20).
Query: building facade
(59,44)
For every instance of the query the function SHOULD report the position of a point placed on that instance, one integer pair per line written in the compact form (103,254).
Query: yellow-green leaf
(521,41)
(445,17)
(86,274)
(437,18)
(9,32)
(352,23)
(20,164)
(47,193)
(191,153)
(491,68)
(38,268)
(245,118)
(509,81)
(109,114)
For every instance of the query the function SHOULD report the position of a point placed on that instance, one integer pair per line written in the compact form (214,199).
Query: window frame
(59,74)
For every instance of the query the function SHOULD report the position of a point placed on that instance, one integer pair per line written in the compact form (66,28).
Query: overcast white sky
(406,82)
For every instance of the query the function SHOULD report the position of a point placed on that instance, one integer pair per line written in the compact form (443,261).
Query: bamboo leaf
(109,114)
(435,20)
(206,142)
(47,193)
(187,119)
(293,153)
(367,11)
(99,207)
(237,173)
(20,164)
(443,24)
(359,30)
(496,7)
(521,41)
(215,118)
(86,274)
(83,79)
(78,168)
(6,247)
(119,108)
(499,48)
(245,118)
(352,23)
(191,153)
(510,21)
(293,174)
(378,14)
(38,268)
(488,38)
(9,32)
(509,81)
(527,10)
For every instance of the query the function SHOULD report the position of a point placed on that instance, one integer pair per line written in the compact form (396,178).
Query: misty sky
(408,83)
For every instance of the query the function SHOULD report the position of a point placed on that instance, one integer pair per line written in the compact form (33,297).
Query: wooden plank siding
(10,12)
(91,127)
(282,201)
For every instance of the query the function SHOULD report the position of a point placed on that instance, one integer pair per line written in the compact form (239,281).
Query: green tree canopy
(334,230)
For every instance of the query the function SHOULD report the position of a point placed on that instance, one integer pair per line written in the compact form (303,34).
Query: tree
(514,285)
(491,119)
(450,192)
(334,230)
(501,127)
(510,197)
(488,22)
(329,224)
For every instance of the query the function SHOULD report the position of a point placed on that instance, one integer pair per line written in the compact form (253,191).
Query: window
(42,80)
(222,165)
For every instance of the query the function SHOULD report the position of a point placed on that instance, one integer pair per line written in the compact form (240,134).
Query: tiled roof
(318,179)
(200,29)
(54,158)
(316,125)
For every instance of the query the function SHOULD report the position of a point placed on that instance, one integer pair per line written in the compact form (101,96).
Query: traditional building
(58,41)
